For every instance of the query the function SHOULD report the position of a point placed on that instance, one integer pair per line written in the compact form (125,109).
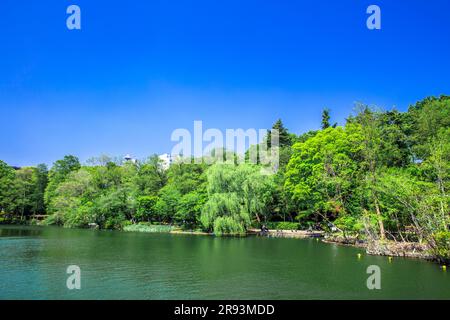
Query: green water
(119,265)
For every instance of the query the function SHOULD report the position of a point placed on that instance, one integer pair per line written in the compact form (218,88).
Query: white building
(166,159)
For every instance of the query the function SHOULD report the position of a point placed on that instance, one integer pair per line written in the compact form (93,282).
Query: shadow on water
(122,265)
(20,231)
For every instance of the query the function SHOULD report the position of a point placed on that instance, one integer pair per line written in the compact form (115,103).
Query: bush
(350,224)
(283,225)
(80,217)
(189,210)
(146,208)
(222,205)
(4,218)
(146,227)
(54,219)
(442,240)
(114,222)
(125,223)
(228,226)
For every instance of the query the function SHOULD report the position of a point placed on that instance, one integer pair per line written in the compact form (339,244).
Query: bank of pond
(383,248)
(389,248)
(161,265)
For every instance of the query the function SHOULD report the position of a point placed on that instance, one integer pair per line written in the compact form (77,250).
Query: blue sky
(137,70)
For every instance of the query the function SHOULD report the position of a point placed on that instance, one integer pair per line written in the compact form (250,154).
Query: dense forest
(383,176)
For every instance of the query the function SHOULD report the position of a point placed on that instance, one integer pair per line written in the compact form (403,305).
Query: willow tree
(236,195)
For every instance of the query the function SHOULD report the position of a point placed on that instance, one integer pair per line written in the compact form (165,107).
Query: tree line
(383,175)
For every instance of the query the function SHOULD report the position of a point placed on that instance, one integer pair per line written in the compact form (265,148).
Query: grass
(144,227)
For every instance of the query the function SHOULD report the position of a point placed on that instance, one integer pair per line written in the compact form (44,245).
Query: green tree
(7,176)
(371,161)
(146,208)
(237,192)
(57,174)
(23,191)
(76,190)
(114,208)
(325,118)
(166,206)
(427,118)
(151,176)
(41,181)
(223,214)
(284,138)
(189,209)
(322,173)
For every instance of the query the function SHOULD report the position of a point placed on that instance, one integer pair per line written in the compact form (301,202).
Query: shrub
(189,210)
(114,222)
(146,227)
(228,226)
(350,224)
(283,225)
(80,217)
(54,219)
(146,208)
(4,218)
(442,240)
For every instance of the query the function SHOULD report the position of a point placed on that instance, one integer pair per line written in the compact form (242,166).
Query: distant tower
(129,158)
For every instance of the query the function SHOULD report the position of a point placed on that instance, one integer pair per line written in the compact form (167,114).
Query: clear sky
(139,69)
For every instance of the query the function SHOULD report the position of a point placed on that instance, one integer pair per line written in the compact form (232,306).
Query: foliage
(382,175)
(189,209)
(442,249)
(7,177)
(283,225)
(239,192)
(321,174)
(166,206)
(59,171)
(283,136)
(146,208)
(227,225)
(145,227)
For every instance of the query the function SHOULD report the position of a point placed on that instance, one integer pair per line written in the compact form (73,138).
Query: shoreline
(411,250)
(298,234)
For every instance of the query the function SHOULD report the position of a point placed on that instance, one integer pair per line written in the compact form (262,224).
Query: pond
(125,265)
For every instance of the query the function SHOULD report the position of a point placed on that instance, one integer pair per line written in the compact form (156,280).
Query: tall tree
(284,138)
(41,181)
(325,118)
(371,146)
(7,177)
(24,189)
(322,173)
(59,171)
(151,176)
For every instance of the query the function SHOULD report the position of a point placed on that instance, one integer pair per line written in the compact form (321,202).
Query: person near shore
(264,229)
